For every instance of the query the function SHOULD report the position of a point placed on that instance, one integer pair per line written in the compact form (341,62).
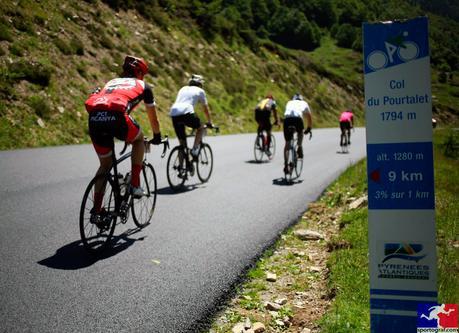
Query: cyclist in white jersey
(182,111)
(295,110)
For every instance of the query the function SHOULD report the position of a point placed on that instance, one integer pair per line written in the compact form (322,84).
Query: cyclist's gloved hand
(156,138)
(307,130)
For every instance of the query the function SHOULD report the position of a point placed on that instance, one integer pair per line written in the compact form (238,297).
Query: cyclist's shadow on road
(283,182)
(257,162)
(186,188)
(74,256)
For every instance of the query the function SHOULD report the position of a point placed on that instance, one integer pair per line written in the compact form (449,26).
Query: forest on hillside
(300,24)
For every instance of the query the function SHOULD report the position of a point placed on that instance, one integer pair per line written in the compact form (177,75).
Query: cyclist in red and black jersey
(109,117)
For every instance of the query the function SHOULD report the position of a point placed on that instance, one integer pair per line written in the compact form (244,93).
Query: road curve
(168,277)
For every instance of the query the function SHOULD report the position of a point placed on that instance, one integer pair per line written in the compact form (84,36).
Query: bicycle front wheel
(176,168)
(272,146)
(96,229)
(144,207)
(205,163)
(298,163)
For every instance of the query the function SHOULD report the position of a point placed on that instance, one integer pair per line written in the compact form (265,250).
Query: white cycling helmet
(196,80)
(298,97)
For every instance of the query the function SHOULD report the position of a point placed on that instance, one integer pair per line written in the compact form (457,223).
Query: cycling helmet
(135,66)
(196,80)
(298,97)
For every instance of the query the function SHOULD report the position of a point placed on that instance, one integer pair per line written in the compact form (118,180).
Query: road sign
(401,202)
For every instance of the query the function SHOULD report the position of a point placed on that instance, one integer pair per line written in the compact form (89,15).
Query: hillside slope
(52,54)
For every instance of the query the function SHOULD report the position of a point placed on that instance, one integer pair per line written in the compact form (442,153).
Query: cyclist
(109,117)
(182,112)
(263,112)
(295,110)
(346,122)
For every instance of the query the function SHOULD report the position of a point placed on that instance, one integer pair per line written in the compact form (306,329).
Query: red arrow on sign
(375,176)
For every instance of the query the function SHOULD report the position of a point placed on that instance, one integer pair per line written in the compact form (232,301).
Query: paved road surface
(166,278)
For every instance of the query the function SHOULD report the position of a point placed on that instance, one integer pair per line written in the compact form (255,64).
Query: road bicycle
(294,165)
(97,228)
(181,164)
(345,138)
(261,147)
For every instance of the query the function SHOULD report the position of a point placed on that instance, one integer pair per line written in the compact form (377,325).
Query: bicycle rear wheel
(144,207)
(258,148)
(291,160)
(344,142)
(96,230)
(205,163)
(176,168)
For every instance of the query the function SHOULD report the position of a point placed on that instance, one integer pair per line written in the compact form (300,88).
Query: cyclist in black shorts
(263,112)
(182,111)
(293,116)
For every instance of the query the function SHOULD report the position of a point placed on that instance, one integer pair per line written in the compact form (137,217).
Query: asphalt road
(168,277)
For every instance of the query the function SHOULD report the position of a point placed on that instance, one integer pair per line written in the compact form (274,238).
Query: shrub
(63,46)
(81,69)
(346,35)
(40,105)
(77,46)
(17,49)
(106,42)
(250,39)
(31,71)
(5,33)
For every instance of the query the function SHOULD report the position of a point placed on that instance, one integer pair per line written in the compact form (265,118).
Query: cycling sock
(98,198)
(135,181)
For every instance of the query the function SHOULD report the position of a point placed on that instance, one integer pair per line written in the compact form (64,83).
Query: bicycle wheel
(96,230)
(272,147)
(291,158)
(144,207)
(258,148)
(298,162)
(176,169)
(344,143)
(205,163)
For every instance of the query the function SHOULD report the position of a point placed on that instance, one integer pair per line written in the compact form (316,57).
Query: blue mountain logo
(403,251)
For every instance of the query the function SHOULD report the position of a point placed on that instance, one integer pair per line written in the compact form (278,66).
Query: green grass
(447,208)
(349,266)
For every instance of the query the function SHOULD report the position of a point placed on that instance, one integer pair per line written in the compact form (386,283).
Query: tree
(292,29)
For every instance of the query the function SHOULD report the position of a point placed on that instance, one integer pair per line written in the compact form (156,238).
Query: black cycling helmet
(134,66)
(196,80)
(298,97)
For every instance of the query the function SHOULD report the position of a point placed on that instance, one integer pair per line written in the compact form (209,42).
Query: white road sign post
(401,203)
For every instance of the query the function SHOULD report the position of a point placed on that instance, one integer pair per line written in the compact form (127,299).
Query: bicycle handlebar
(212,126)
(164,142)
